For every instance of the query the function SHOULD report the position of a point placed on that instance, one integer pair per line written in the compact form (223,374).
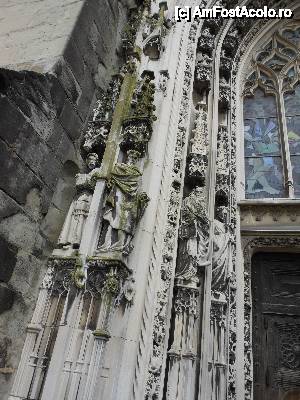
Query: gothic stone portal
(276,326)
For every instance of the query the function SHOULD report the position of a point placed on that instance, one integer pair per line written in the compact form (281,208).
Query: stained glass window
(263,164)
(272,119)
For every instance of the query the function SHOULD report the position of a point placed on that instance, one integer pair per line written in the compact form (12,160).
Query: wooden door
(276,326)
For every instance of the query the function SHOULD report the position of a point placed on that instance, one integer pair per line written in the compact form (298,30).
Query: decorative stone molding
(203,73)
(213,24)
(136,134)
(224,95)
(230,43)
(108,276)
(142,103)
(156,29)
(222,170)
(158,348)
(206,42)
(99,126)
(130,31)
(225,67)
(163,82)
(62,273)
(272,215)
(197,161)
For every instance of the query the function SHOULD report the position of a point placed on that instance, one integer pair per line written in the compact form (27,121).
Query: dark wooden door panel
(276,326)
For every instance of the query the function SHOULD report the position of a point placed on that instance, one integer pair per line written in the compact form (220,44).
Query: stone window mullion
(286,158)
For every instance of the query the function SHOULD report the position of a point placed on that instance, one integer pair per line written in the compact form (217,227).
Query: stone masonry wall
(54,55)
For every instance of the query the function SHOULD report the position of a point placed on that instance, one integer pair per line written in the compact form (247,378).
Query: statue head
(221,214)
(92,161)
(133,156)
(199,191)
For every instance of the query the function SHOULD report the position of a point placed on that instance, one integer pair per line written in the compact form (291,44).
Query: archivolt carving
(153,385)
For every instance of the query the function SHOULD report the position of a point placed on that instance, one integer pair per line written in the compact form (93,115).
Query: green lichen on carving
(131,28)
(121,112)
(101,333)
(142,104)
(78,275)
(111,284)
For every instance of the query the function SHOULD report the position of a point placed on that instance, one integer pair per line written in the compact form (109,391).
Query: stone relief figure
(221,251)
(220,272)
(183,356)
(194,232)
(71,233)
(124,206)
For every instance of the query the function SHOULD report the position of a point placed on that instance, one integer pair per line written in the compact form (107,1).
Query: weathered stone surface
(8,260)
(7,297)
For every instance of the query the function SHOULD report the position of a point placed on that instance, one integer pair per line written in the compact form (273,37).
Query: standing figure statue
(72,230)
(221,253)
(194,231)
(124,206)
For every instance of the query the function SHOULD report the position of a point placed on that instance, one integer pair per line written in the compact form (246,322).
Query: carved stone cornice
(270,215)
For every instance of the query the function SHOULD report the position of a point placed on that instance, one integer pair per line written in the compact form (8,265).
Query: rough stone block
(24,178)
(70,120)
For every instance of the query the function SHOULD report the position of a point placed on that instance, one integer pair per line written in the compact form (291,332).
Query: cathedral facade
(175,273)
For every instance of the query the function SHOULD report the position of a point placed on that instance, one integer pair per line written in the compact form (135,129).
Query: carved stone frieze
(230,43)
(62,273)
(213,24)
(163,82)
(100,122)
(218,312)
(159,344)
(196,168)
(96,136)
(206,42)
(110,277)
(203,72)
(197,161)
(186,300)
(225,67)
(131,28)
(224,95)
(142,103)
(222,173)
(155,30)
(136,134)
(254,215)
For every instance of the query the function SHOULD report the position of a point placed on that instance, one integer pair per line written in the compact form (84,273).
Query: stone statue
(194,232)
(71,233)
(221,253)
(124,206)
